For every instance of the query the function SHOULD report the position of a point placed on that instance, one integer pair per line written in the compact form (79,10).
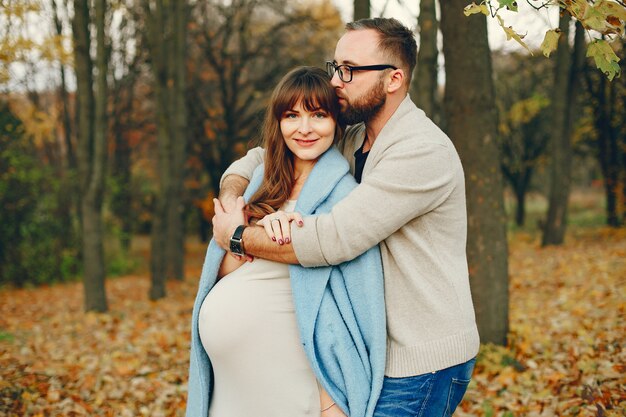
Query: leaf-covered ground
(566,357)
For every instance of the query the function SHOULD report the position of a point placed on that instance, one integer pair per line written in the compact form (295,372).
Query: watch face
(235,247)
(236,241)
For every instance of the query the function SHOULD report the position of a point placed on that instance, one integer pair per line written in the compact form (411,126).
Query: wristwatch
(236,241)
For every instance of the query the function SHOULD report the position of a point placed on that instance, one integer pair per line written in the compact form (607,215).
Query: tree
(241,50)
(606,17)
(470,110)
(167,44)
(564,109)
(361,9)
(91,108)
(127,59)
(623,134)
(607,107)
(66,116)
(522,91)
(69,205)
(18,193)
(424,87)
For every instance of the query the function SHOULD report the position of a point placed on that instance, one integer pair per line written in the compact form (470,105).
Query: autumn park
(118,118)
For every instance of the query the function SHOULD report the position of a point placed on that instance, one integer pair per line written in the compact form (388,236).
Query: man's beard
(366,107)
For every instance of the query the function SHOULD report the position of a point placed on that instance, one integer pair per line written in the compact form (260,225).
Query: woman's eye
(289,116)
(320,114)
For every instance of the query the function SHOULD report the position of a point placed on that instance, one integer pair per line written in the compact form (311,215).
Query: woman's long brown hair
(310,86)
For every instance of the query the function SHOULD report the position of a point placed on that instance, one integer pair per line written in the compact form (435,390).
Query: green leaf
(5,337)
(488,409)
(604,57)
(509,4)
(550,42)
(474,8)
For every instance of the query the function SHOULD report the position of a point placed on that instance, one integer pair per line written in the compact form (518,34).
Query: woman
(275,340)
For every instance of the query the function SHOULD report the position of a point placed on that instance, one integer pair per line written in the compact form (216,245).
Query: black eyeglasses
(345,71)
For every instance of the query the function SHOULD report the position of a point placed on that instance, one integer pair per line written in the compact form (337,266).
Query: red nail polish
(286,240)
(273,238)
(280,241)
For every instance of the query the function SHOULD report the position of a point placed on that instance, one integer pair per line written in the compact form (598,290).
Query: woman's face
(308,134)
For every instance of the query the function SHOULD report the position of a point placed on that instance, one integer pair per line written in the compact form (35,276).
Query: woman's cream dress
(248,328)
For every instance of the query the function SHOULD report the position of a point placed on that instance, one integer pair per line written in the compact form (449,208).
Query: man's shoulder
(415,126)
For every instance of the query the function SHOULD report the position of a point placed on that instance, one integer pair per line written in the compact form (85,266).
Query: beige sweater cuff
(306,245)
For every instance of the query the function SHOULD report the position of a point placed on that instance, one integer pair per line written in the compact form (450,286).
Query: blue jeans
(429,395)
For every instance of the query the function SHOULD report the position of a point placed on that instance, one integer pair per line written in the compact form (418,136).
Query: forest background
(118,117)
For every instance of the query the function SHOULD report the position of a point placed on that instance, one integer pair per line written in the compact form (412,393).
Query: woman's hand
(333,411)
(277,225)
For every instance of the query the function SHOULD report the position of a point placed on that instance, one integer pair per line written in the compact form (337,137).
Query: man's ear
(396,80)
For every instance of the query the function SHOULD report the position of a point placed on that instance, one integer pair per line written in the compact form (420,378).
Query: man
(411,201)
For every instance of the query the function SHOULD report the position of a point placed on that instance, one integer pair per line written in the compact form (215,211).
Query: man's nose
(335,81)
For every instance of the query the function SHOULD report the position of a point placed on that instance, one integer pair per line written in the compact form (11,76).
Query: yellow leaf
(613,14)
(550,42)
(578,8)
(511,34)
(604,16)
(474,8)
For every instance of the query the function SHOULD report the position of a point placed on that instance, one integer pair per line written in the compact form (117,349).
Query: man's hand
(225,223)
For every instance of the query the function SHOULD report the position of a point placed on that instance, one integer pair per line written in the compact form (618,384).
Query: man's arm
(259,245)
(237,177)
(232,187)
(245,166)
(406,183)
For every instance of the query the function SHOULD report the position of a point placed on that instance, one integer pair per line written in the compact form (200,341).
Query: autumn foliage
(565,357)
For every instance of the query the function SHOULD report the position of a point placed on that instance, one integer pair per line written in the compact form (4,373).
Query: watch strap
(236,240)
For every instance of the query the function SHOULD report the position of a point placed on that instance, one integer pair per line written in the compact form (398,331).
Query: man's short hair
(396,40)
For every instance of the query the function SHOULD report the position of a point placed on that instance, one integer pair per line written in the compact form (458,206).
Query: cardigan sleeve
(245,166)
(408,180)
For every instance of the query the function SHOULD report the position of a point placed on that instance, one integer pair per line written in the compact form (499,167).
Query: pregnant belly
(249,311)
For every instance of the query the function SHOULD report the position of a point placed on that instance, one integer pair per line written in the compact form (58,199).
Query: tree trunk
(622,129)
(564,97)
(92,148)
(67,124)
(561,152)
(68,202)
(470,109)
(608,149)
(623,170)
(520,209)
(175,250)
(122,199)
(361,9)
(424,87)
(167,41)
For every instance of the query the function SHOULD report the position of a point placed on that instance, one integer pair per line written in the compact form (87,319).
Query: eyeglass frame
(333,65)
